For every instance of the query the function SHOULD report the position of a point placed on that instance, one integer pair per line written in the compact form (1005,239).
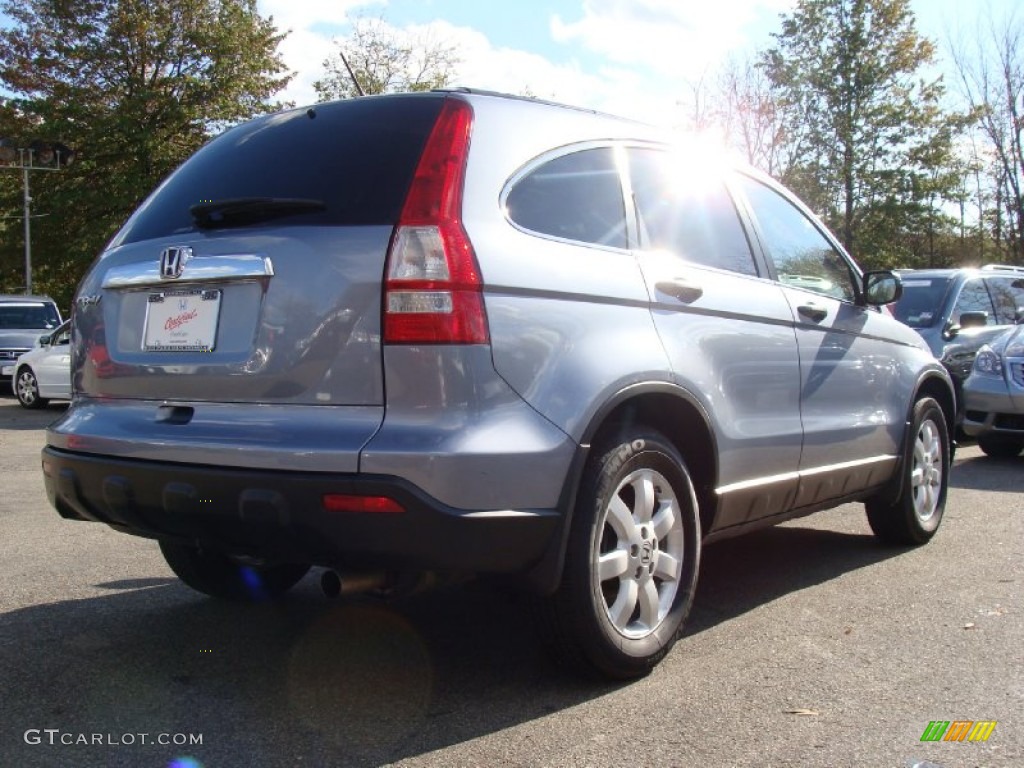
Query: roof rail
(1004,268)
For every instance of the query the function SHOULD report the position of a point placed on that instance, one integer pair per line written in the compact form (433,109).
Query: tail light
(432,287)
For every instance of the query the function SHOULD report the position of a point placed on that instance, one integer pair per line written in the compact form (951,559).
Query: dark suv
(464,332)
(956,311)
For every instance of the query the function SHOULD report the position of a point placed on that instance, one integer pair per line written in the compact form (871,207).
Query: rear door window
(686,212)
(575,196)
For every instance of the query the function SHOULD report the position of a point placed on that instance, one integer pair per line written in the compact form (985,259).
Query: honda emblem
(172,262)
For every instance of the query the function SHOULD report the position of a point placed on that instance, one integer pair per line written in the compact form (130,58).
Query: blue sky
(635,57)
(640,58)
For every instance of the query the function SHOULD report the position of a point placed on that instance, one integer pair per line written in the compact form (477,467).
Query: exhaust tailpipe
(335,584)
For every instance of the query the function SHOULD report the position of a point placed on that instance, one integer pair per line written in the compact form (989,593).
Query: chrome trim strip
(500,513)
(746,485)
(200,269)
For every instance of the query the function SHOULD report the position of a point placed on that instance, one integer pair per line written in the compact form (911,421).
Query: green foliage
(385,60)
(874,147)
(135,87)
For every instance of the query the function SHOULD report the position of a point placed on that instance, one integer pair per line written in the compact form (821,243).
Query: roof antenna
(355,82)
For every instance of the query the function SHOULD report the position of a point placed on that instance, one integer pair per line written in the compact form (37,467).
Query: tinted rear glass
(577,196)
(920,306)
(357,156)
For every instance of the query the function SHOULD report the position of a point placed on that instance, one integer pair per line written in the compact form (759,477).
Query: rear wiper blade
(237,211)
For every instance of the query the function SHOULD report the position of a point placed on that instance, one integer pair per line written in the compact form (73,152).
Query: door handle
(813,312)
(680,288)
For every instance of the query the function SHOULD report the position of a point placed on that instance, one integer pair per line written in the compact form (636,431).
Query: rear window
(920,306)
(356,156)
(28,315)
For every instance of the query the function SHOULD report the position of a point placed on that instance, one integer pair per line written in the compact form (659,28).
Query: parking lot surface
(809,645)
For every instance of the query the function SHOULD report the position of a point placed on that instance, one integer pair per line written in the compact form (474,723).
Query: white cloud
(508,69)
(305,14)
(304,53)
(670,38)
(307,44)
(650,50)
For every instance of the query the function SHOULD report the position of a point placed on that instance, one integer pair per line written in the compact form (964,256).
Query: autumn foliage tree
(384,59)
(134,86)
(874,139)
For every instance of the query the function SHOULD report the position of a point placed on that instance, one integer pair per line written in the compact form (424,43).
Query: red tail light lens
(432,288)
(345,502)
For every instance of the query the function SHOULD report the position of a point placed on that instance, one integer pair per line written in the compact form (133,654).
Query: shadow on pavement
(14,417)
(738,575)
(982,473)
(306,681)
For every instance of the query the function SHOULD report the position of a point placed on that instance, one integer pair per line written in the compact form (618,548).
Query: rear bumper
(279,515)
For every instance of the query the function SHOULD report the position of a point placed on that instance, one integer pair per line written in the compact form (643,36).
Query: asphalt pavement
(809,645)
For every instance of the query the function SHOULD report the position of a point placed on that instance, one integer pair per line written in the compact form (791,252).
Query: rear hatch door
(253,274)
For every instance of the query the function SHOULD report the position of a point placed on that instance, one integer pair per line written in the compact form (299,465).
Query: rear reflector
(344,502)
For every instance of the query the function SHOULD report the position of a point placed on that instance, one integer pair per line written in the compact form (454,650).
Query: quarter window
(803,256)
(683,210)
(577,196)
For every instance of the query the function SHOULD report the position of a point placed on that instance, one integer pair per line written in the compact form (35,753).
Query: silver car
(461,332)
(44,373)
(23,319)
(994,396)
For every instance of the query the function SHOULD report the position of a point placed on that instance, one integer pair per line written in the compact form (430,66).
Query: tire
(27,389)
(1000,447)
(915,516)
(218,575)
(636,523)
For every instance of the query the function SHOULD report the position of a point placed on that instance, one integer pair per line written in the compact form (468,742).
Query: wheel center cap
(646,553)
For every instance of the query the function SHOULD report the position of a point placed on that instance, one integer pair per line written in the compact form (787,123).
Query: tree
(382,59)
(135,86)
(754,119)
(992,83)
(872,133)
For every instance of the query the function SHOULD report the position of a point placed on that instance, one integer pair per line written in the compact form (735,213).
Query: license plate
(181,321)
(7,370)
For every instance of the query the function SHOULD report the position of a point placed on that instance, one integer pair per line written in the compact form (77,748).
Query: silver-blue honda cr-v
(461,332)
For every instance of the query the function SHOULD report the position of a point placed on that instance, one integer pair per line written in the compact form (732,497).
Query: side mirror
(881,287)
(44,340)
(973,319)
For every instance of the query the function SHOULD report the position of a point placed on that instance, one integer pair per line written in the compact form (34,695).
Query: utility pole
(28,228)
(38,156)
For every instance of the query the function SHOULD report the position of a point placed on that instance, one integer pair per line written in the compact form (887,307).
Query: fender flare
(545,576)
(893,490)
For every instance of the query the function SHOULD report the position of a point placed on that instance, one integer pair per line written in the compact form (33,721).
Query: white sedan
(44,373)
